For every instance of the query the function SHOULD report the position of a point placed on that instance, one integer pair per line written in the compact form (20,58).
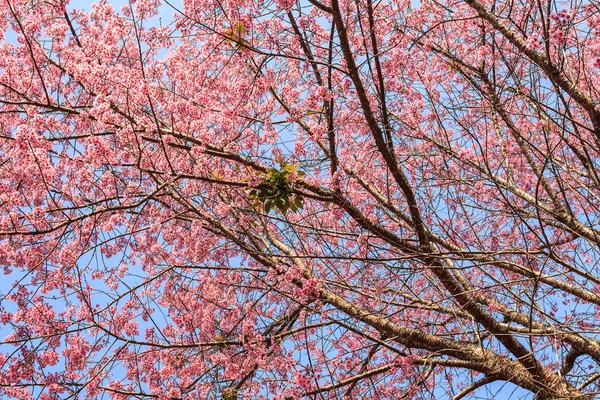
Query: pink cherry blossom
(279,200)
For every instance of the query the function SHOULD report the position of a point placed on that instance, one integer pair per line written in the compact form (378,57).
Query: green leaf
(280,204)
(234,35)
(298,202)
(239,29)
(293,207)
(290,168)
(230,394)
(230,35)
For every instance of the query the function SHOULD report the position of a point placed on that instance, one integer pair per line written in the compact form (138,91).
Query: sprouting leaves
(276,189)
(235,35)
(314,112)
(230,394)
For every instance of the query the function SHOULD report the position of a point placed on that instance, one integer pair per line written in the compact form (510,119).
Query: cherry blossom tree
(318,199)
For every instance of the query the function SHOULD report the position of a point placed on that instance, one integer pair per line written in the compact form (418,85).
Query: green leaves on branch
(276,188)
(230,394)
(235,35)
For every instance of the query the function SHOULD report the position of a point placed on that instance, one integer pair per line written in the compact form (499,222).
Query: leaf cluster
(230,394)
(235,35)
(276,189)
